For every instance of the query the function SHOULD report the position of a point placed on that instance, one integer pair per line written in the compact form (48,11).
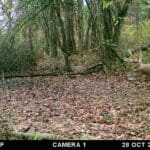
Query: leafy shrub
(16,58)
(129,34)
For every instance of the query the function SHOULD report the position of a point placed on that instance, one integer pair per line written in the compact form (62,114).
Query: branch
(41,136)
(15,132)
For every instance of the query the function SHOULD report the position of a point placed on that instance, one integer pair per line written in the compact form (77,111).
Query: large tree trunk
(80,24)
(64,46)
(109,53)
(112,29)
(69,26)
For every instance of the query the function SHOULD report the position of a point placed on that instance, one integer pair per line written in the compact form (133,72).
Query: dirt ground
(78,107)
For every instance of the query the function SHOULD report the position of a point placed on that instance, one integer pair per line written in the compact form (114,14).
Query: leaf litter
(92,107)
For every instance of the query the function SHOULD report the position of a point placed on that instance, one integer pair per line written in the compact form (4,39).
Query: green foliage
(146,56)
(15,58)
(129,37)
(109,42)
(7,136)
(106,4)
(108,118)
(35,138)
(144,4)
(84,136)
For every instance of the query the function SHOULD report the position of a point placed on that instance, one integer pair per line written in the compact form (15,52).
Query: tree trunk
(80,24)
(64,46)
(112,29)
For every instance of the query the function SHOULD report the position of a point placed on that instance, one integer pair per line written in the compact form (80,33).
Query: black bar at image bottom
(79,144)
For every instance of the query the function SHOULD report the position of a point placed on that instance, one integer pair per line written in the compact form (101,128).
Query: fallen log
(36,136)
(11,130)
(92,69)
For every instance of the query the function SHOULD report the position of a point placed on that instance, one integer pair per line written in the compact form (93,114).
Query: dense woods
(74,43)
(68,30)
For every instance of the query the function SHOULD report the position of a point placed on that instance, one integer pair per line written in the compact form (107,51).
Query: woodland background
(62,69)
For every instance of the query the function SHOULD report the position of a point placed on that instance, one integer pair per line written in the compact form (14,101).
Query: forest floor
(94,106)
